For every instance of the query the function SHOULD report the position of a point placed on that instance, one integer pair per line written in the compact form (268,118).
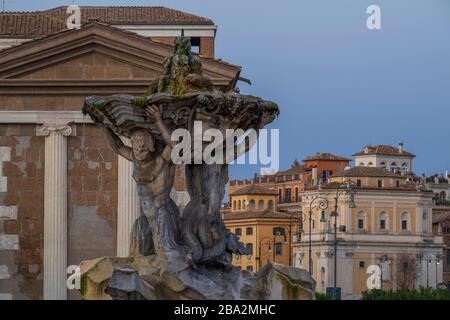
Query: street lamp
(347,188)
(322,204)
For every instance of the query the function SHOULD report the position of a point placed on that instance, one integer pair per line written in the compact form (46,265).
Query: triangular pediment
(98,52)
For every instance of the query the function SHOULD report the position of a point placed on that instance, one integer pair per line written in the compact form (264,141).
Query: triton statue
(185,256)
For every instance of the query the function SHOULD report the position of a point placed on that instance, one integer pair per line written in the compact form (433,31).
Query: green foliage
(322,296)
(139,101)
(99,104)
(408,294)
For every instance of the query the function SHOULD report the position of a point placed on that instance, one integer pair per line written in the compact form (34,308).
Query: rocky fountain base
(154,278)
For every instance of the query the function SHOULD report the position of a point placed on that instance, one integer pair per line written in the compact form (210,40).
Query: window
(296,194)
(261,204)
(252,204)
(404,168)
(393,167)
(238,231)
(361,163)
(370,164)
(383,219)
(250,268)
(270,204)
(278,231)
(405,221)
(397,183)
(278,249)
(362,264)
(360,223)
(313,222)
(280,197)
(287,195)
(358,183)
(405,265)
(249,231)
(234,205)
(361,218)
(249,247)
(195,44)
(383,165)
(239,205)
(380,183)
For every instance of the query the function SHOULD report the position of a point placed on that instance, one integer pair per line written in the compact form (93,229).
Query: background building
(394,159)
(155,23)
(391,226)
(267,234)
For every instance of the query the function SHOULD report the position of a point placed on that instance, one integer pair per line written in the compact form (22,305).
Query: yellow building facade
(389,227)
(267,234)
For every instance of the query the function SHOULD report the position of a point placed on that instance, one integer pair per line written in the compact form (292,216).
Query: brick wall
(21,212)
(92,197)
(207,47)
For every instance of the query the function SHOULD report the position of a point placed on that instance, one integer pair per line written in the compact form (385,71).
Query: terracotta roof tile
(362,171)
(39,23)
(326,156)
(383,149)
(254,189)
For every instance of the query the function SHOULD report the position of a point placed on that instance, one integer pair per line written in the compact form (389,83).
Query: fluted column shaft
(128,205)
(55,210)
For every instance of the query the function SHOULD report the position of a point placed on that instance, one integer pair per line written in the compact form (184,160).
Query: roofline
(93,24)
(383,154)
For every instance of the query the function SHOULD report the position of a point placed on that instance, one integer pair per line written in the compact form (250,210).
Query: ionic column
(128,205)
(55,210)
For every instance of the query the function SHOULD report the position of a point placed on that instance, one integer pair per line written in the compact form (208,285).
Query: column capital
(55,128)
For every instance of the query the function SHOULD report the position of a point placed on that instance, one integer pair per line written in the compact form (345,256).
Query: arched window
(361,220)
(383,221)
(405,223)
(393,167)
(405,168)
(270,204)
(383,165)
(252,204)
(234,205)
(261,204)
(239,205)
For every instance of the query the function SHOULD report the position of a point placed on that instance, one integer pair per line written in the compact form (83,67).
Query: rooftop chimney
(400,147)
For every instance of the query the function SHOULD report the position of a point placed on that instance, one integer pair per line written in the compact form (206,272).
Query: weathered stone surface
(154,278)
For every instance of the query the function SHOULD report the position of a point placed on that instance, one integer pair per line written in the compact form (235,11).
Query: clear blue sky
(339,85)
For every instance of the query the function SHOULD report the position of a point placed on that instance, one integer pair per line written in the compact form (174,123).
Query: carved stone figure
(187,257)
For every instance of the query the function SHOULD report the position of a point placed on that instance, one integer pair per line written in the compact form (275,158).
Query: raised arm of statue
(154,112)
(117,144)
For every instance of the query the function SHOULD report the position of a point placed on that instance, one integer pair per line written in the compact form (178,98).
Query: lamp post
(347,188)
(322,204)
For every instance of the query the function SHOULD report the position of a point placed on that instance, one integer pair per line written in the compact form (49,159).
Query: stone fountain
(183,255)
